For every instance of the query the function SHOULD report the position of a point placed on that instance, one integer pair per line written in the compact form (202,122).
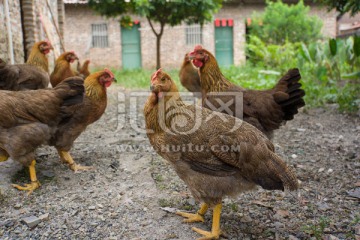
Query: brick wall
(173,43)
(77,30)
(34,29)
(16,29)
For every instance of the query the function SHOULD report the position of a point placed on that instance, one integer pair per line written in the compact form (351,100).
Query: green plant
(317,229)
(281,22)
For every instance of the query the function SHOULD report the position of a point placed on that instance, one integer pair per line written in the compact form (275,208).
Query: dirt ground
(132,193)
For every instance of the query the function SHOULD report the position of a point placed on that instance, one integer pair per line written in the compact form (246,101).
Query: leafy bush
(281,22)
(330,69)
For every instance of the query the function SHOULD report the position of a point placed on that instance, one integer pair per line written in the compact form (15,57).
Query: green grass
(140,79)
(318,92)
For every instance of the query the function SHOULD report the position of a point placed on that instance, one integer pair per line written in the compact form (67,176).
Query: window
(99,35)
(193,34)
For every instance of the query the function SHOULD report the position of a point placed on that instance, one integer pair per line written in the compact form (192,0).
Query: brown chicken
(266,110)
(62,69)
(29,76)
(215,154)
(29,118)
(83,70)
(91,109)
(189,77)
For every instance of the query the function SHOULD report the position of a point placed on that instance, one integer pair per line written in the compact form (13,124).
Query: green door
(130,43)
(224,45)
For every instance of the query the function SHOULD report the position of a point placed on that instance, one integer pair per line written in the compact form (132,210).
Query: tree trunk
(158,41)
(28,22)
(158,63)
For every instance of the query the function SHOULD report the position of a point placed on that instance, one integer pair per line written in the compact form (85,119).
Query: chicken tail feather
(8,77)
(71,90)
(275,174)
(289,85)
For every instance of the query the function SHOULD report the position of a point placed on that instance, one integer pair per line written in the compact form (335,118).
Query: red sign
(217,22)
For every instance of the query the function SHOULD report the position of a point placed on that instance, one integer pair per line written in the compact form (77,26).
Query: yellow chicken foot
(215,229)
(66,158)
(34,182)
(3,158)
(197,217)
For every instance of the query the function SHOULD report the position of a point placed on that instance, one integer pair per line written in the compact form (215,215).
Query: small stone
(31,221)
(301,129)
(92,208)
(17,206)
(321,169)
(192,202)
(246,219)
(44,217)
(293,156)
(48,174)
(291,237)
(357,230)
(169,209)
(330,170)
(331,237)
(100,205)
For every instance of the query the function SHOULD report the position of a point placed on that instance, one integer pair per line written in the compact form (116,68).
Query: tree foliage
(163,12)
(281,22)
(343,6)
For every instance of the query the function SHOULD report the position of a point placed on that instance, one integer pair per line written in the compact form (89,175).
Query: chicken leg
(3,155)
(215,229)
(197,217)
(3,158)
(66,158)
(34,182)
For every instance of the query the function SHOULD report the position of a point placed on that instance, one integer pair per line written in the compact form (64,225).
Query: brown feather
(248,158)
(267,110)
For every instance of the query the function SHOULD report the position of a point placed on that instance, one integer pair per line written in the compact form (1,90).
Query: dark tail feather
(71,90)
(276,175)
(8,78)
(289,85)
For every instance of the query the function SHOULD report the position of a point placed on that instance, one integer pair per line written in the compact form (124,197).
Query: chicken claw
(3,158)
(207,235)
(215,229)
(30,187)
(66,158)
(191,217)
(34,182)
(197,217)
(76,167)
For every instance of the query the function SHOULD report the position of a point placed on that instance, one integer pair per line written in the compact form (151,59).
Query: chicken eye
(163,79)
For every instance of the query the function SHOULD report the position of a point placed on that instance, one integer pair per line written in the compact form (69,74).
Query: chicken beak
(191,57)
(152,87)
(114,80)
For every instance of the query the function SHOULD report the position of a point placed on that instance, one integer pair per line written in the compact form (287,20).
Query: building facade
(72,25)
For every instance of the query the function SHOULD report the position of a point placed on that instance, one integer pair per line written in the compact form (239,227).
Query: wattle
(107,84)
(197,63)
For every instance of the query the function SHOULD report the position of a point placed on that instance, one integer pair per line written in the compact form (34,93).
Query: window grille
(99,35)
(193,34)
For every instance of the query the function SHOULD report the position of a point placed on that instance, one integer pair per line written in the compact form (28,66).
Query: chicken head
(45,46)
(199,56)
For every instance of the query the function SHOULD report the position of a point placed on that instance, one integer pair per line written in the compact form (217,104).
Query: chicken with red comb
(91,109)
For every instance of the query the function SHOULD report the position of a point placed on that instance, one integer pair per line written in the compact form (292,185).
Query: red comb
(154,76)
(198,47)
(109,72)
